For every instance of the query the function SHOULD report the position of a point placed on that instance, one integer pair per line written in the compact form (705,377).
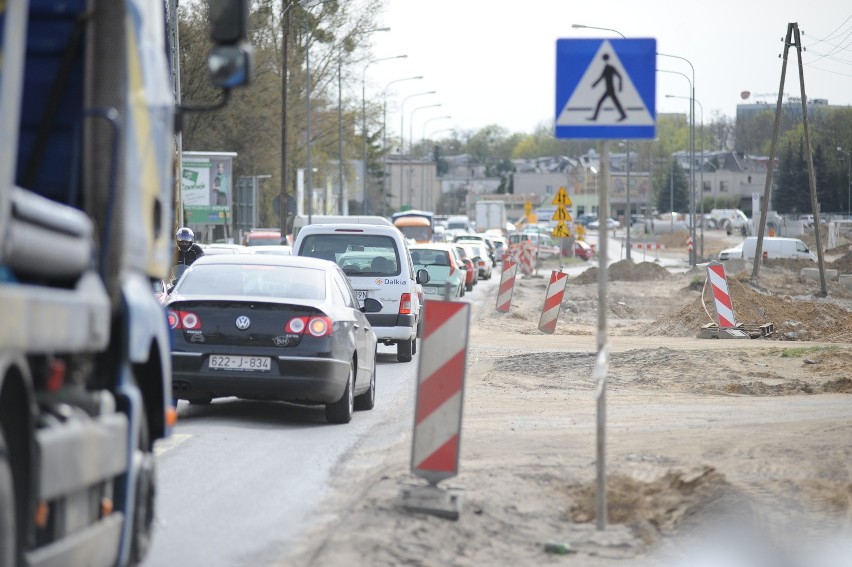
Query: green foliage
(799,352)
(675,188)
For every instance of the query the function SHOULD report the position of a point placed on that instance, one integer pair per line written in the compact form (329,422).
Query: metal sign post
(605,89)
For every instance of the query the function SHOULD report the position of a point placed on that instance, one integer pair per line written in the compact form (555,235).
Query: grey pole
(364,120)
(385,135)
(848,181)
(692,150)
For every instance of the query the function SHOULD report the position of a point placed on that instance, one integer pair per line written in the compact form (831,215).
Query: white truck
(490,215)
(730,220)
(87,115)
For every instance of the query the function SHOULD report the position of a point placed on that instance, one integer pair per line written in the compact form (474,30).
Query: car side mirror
(372,305)
(422,276)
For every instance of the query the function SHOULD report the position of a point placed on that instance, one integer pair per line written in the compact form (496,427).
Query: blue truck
(87,184)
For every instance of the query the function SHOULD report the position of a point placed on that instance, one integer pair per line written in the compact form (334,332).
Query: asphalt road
(239,481)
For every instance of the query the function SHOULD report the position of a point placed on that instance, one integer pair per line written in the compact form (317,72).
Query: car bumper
(291,378)
(393,327)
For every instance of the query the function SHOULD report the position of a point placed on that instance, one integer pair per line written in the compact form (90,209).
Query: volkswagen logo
(243,322)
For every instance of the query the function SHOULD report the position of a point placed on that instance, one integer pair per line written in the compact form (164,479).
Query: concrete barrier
(845,280)
(813,273)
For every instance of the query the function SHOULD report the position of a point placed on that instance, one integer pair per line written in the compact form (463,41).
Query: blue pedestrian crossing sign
(606,88)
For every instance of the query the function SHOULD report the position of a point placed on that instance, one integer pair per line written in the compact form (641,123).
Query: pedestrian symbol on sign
(607,75)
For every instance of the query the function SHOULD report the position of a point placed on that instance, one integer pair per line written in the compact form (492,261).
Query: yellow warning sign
(561,231)
(561,198)
(561,214)
(580,230)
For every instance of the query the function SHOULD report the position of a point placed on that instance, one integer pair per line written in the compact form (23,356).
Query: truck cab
(87,176)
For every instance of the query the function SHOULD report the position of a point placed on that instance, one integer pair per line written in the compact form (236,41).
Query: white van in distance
(774,248)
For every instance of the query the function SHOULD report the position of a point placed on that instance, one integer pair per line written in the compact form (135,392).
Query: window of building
(708,186)
(723,187)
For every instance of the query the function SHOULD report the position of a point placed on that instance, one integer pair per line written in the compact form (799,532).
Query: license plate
(430,290)
(360,294)
(240,363)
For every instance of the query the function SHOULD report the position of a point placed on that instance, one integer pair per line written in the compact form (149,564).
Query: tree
(676,189)
(792,193)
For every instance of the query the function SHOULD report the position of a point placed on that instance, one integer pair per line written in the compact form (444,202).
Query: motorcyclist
(187,250)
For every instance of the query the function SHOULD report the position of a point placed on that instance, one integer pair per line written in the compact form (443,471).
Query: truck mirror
(228,21)
(230,66)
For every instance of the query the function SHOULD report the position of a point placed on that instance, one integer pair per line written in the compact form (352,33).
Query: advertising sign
(206,187)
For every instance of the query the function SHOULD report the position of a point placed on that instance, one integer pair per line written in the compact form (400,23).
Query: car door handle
(357,326)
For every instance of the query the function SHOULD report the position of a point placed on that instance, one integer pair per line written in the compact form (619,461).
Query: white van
(301,221)
(774,248)
(378,264)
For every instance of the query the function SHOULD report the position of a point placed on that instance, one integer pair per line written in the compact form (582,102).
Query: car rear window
(293,282)
(357,254)
(429,257)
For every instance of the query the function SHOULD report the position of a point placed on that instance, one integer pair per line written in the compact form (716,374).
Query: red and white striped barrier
(507,286)
(526,259)
(440,389)
(552,302)
(719,284)
(647,246)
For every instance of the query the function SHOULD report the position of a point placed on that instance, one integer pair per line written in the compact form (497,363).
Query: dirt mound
(658,507)
(793,319)
(843,265)
(789,264)
(626,270)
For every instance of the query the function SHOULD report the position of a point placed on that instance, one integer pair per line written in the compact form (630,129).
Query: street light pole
(364,120)
(385,134)
(410,144)
(701,161)
(402,136)
(692,149)
(848,182)
(343,205)
(422,172)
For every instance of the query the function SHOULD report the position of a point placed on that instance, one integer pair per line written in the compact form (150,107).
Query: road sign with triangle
(561,214)
(561,198)
(561,231)
(606,88)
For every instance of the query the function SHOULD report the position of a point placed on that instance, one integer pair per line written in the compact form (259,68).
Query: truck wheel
(404,351)
(146,488)
(8,538)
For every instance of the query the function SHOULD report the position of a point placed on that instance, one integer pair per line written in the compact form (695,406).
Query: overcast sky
(493,61)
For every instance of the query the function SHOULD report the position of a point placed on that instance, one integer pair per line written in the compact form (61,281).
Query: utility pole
(282,196)
(793,38)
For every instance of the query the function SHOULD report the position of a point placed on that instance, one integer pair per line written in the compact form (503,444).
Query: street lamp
(422,172)
(385,132)
(343,206)
(691,146)
(701,179)
(848,181)
(402,136)
(410,143)
(364,118)
(581,26)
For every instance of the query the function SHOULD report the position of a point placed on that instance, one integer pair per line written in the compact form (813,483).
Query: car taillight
(319,326)
(316,326)
(405,304)
(184,320)
(482,263)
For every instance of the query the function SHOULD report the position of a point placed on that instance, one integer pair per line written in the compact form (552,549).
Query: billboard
(207,187)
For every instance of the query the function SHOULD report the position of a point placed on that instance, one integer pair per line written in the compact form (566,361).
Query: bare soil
(718,452)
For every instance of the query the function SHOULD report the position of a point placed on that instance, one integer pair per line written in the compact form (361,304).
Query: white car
(610,224)
(377,262)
